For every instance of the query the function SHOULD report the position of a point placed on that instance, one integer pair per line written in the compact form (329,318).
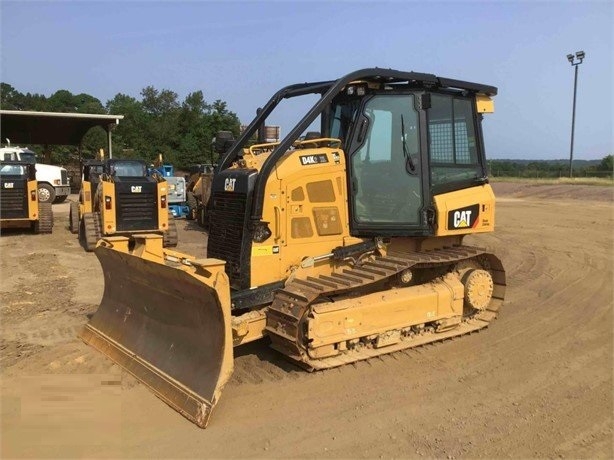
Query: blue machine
(177,203)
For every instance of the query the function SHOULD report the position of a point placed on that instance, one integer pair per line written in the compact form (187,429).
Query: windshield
(128,169)
(28,157)
(12,170)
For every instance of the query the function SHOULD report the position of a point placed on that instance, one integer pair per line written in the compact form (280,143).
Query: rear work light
(107,202)
(163,201)
(33,195)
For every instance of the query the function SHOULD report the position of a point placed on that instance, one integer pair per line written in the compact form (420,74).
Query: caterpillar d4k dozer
(338,247)
(118,197)
(19,204)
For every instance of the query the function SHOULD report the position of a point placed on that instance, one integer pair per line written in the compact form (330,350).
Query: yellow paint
(262,250)
(32,187)
(162,212)
(85,198)
(484,104)
(306,208)
(483,196)
(107,216)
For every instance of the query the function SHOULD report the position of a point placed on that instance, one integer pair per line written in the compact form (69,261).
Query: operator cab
(391,136)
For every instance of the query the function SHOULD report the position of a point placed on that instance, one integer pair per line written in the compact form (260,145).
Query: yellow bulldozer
(201,177)
(338,247)
(198,191)
(19,203)
(119,197)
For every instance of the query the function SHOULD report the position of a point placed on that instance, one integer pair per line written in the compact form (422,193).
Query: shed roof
(26,127)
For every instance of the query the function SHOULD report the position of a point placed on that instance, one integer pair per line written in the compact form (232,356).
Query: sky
(243,52)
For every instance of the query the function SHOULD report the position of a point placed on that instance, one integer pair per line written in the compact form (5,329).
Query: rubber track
(292,303)
(73,218)
(91,222)
(45,218)
(170,237)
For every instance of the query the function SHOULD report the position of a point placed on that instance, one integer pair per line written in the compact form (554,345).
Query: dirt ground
(536,383)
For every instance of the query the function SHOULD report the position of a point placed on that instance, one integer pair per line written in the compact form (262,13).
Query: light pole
(572,60)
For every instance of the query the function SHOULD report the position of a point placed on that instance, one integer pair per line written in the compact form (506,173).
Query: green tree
(64,101)
(222,119)
(162,110)
(157,123)
(607,165)
(10,98)
(199,123)
(129,140)
(85,103)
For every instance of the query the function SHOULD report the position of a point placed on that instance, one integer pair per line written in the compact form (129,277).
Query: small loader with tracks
(20,206)
(337,247)
(118,197)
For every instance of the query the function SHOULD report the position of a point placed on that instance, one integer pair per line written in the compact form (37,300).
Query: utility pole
(572,60)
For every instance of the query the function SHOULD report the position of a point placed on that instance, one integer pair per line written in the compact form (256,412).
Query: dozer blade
(167,326)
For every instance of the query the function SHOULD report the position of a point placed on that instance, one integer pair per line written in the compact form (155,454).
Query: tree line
(160,123)
(156,123)
(551,169)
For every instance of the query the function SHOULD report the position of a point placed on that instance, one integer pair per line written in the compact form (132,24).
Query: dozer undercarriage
(386,304)
(338,247)
(177,335)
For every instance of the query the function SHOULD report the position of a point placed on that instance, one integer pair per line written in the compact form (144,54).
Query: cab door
(386,168)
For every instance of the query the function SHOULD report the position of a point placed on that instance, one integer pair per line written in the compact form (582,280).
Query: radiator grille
(14,201)
(64,176)
(137,211)
(227,223)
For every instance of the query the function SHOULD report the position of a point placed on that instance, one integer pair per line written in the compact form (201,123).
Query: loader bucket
(167,326)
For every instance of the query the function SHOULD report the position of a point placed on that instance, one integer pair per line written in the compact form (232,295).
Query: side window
(452,140)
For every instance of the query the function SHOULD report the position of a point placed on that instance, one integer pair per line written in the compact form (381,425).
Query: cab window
(452,138)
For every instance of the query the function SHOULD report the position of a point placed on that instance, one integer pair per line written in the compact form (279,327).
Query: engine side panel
(306,206)
(466,211)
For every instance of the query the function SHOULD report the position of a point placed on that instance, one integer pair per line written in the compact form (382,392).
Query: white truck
(53,181)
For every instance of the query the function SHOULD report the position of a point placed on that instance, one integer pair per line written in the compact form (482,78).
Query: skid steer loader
(337,247)
(19,202)
(118,197)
